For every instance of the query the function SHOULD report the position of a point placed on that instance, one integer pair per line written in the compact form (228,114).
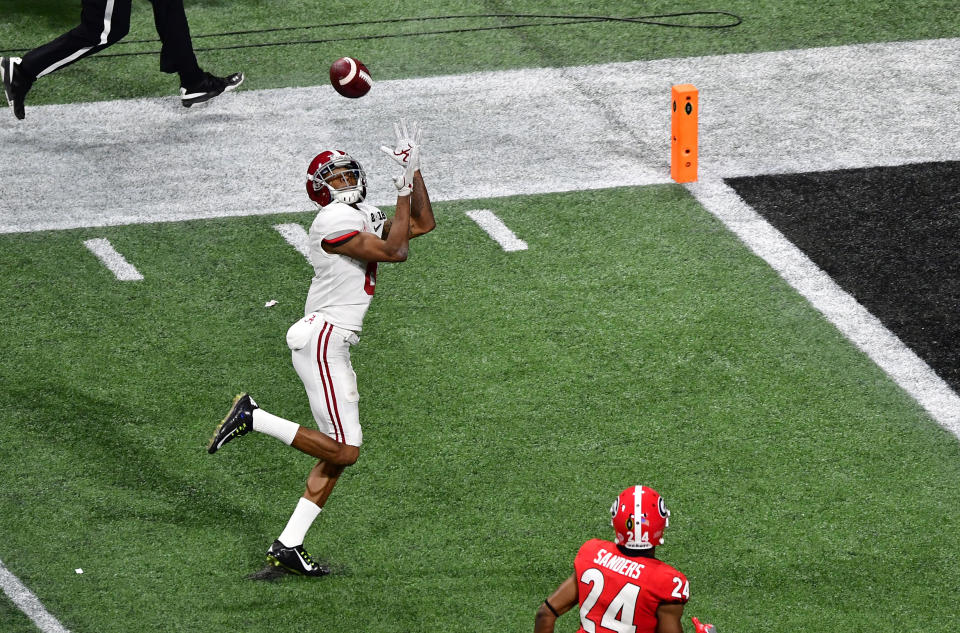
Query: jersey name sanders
(342,287)
(618,592)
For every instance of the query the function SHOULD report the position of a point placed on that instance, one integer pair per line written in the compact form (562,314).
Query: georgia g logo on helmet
(639,517)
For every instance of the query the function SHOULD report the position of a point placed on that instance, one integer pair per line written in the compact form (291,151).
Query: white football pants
(323,365)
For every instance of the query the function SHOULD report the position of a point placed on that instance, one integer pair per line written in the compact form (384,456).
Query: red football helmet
(319,173)
(639,517)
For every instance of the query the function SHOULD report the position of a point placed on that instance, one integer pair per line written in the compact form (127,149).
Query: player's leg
(323,477)
(321,446)
(287,551)
(102,23)
(245,416)
(331,385)
(177,55)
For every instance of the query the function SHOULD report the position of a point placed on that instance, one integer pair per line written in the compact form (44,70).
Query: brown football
(350,77)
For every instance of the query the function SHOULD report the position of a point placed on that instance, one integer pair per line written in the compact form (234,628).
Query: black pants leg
(102,23)
(176,51)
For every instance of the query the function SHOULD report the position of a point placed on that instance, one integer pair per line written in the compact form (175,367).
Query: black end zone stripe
(886,235)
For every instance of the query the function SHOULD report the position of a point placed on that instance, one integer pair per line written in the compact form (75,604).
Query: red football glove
(703,628)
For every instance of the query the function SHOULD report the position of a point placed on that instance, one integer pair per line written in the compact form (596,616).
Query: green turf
(766,26)
(506,398)
(13,619)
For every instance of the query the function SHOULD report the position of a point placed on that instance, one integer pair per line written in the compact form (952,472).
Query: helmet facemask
(346,180)
(336,176)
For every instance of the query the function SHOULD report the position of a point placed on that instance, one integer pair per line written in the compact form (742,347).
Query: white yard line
(497,230)
(296,236)
(27,602)
(853,320)
(487,134)
(114,261)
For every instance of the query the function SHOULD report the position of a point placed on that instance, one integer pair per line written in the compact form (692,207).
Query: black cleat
(294,560)
(208,87)
(15,86)
(238,421)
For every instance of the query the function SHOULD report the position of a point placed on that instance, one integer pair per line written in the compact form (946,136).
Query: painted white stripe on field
(296,237)
(760,113)
(497,230)
(113,260)
(852,319)
(27,602)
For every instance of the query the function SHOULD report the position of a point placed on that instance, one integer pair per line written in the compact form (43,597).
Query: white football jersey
(342,286)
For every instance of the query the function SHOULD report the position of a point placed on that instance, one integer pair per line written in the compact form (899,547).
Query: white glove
(404,182)
(407,142)
(406,154)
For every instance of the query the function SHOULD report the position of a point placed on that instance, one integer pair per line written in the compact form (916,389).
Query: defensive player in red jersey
(621,587)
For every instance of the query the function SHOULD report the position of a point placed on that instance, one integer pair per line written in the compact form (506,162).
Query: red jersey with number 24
(620,594)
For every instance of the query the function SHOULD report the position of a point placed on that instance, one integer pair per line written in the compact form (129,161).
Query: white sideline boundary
(569,129)
(27,602)
(853,320)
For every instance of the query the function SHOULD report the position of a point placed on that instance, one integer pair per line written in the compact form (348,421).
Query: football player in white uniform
(348,239)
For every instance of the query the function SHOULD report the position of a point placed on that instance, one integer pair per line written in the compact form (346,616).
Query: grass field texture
(506,397)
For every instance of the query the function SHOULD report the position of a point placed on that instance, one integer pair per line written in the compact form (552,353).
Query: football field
(719,341)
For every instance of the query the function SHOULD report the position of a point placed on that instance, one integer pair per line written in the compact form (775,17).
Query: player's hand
(703,628)
(405,153)
(404,182)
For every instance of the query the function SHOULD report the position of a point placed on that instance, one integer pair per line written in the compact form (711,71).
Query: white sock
(283,430)
(300,521)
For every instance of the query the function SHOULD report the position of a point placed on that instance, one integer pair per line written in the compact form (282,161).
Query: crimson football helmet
(639,517)
(320,185)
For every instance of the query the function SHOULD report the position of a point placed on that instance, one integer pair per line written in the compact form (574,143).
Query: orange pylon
(683,133)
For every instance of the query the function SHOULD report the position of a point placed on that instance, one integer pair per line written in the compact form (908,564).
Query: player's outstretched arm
(406,153)
(421,211)
(370,248)
(559,602)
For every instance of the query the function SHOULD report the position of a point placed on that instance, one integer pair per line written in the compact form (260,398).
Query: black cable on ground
(652,20)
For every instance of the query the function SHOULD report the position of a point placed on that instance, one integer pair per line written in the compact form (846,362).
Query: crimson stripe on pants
(328,391)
